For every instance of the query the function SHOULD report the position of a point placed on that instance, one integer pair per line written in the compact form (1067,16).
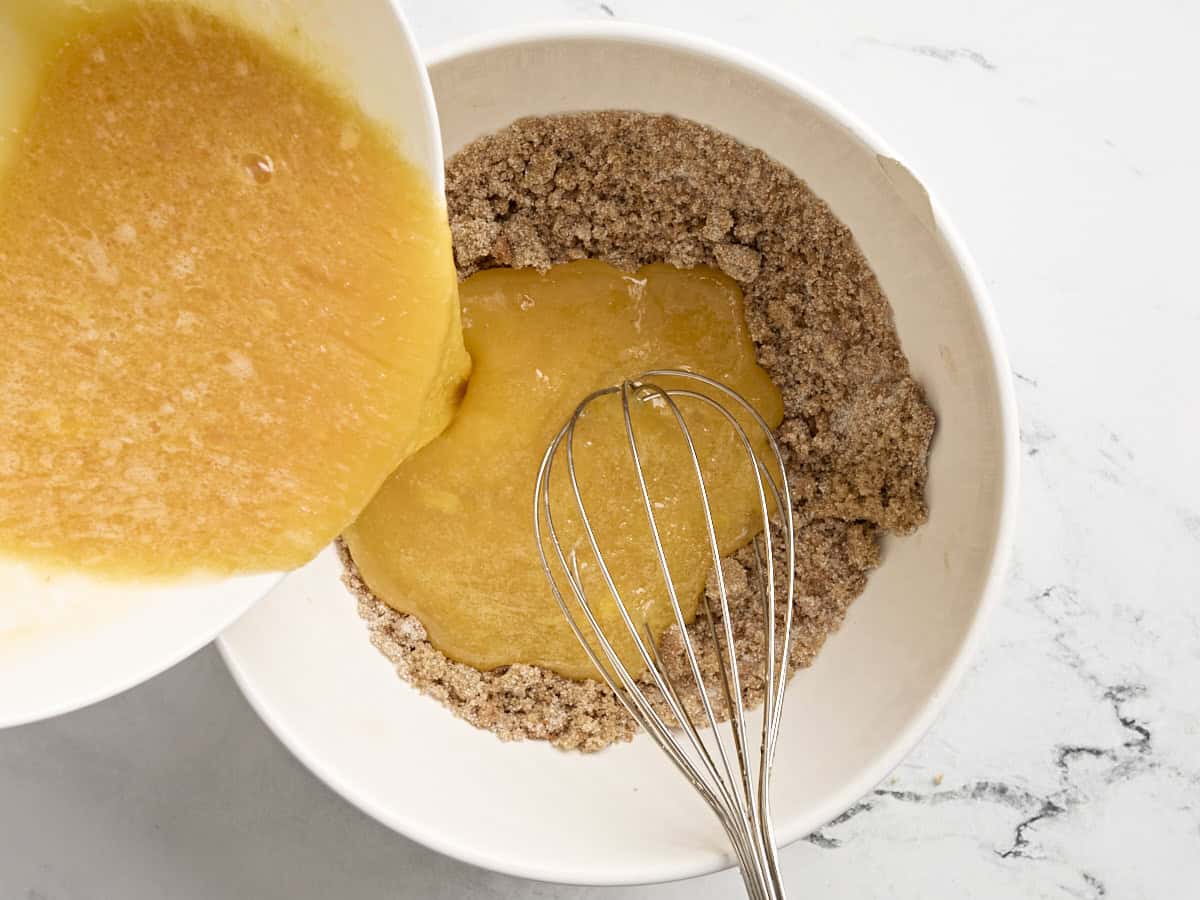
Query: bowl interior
(69,641)
(624,815)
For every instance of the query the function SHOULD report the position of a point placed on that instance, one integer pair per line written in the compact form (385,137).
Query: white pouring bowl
(623,815)
(67,641)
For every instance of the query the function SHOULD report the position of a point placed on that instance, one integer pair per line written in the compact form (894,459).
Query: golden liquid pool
(449,537)
(227,304)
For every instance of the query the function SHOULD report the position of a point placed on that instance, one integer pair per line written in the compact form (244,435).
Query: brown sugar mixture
(632,189)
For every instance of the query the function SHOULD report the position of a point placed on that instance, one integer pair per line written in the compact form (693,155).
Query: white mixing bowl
(623,815)
(66,641)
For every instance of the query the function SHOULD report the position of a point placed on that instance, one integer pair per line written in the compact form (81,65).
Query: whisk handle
(758,888)
(760,873)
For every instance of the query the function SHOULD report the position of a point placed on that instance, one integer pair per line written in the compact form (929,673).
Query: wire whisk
(735,781)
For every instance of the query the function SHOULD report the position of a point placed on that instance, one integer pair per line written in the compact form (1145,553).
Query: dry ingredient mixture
(633,188)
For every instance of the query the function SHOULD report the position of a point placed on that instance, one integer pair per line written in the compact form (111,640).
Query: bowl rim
(431,130)
(905,740)
(154,664)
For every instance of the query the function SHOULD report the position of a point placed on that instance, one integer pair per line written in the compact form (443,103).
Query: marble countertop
(1068,765)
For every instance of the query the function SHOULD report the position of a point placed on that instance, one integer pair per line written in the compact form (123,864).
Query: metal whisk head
(731,771)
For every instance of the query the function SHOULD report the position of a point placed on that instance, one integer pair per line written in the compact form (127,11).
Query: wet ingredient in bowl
(449,535)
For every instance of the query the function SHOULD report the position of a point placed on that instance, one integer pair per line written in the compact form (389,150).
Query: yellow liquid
(449,537)
(228,306)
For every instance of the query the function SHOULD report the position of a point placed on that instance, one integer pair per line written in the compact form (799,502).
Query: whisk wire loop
(626,690)
(740,801)
(622,684)
(766,750)
(732,691)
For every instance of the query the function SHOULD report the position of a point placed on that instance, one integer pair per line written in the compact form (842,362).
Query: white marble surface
(1061,137)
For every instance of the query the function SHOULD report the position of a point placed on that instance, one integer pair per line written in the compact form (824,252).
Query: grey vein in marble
(941,54)
(1132,755)
(1035,436)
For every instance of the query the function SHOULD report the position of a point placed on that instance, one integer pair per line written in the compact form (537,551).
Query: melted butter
(228,305)
(449,536)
